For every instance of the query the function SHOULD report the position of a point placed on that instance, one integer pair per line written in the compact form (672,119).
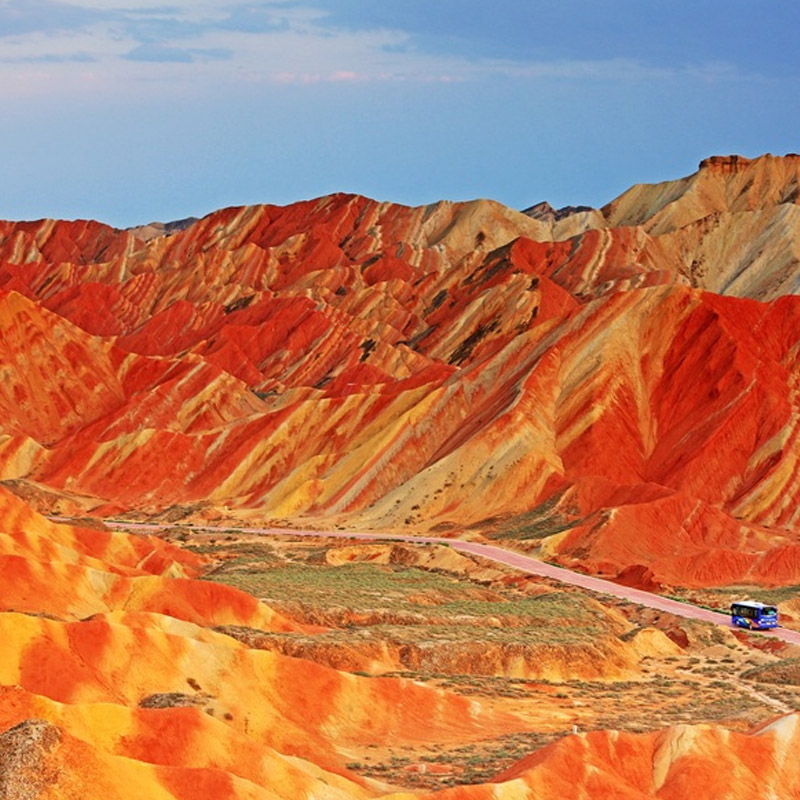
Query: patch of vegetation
(440,297)
(557,608)
(419,603)
(237,552)
(173,700)
(436,627)
(358,586)
(452,643)
(472,763)
(777,595)
(237,305)
(538,523)
(785,672)
(368,345)
(464,350)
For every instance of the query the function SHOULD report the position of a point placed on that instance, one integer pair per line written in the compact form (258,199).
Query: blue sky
(129,111)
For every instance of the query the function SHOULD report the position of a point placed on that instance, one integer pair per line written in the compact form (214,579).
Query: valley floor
(560,658)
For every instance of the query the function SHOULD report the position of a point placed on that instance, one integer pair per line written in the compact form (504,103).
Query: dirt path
(510,558)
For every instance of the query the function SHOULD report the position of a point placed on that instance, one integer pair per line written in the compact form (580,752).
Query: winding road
(509,558)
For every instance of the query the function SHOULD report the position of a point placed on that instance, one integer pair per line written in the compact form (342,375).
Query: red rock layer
(438,365)
(115,683)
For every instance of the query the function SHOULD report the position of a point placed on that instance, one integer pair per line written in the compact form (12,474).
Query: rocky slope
(629,393)
(117,682)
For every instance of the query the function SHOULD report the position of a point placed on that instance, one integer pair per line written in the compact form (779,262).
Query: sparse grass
(359,586)
(538,523)
(243,552)
(667,700)
(555,608)
(777,595)
(411,605)
(440,626)
(785,672)
(720,598)
(472,763)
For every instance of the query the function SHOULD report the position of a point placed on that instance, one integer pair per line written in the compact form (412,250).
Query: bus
(756,616)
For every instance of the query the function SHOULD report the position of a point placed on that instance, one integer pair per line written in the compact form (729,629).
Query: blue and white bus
(756,616)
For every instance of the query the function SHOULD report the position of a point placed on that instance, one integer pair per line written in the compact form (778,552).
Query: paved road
(510,558)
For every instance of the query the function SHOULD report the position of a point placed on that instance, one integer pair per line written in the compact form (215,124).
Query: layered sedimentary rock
(117,681)
(454,365)
(686,761)
(617,387)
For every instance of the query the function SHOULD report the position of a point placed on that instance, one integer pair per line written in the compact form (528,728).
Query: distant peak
(155,229)
(540,208)
(546,213)
(725,165)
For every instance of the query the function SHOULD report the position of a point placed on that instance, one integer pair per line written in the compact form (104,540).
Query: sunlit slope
(167,752)
(146,700)
(732,227)
(723,184)
(620,392)
(114,681)
(701,761)
(453,364)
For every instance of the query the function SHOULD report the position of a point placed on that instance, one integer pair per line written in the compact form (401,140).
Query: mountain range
(615,390)
(451,366)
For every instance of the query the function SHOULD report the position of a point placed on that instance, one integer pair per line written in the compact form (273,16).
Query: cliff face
(444,365)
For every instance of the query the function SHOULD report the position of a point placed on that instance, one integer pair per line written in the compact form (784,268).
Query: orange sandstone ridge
(626,375)
(114,684)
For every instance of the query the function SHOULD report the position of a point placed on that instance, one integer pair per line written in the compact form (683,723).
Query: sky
(130,111)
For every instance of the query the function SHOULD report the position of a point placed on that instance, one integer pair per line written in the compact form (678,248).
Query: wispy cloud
(21,17)
(51,58)
(277,41)
(164,54)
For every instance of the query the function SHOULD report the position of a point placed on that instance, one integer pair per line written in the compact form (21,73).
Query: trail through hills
(510,558)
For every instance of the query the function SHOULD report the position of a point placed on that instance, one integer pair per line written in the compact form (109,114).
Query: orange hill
(459,364)
(114,685)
